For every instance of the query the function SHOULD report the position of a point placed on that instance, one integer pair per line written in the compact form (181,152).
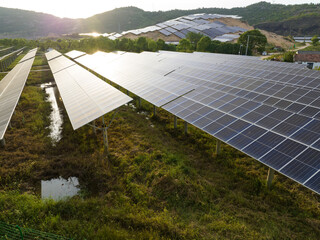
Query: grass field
(155,183)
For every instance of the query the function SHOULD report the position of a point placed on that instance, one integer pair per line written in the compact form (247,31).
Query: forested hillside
(303,25)
(282,19)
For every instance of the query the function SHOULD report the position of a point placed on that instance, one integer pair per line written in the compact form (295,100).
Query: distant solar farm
(173,30)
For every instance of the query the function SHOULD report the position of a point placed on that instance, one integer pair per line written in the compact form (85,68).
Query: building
(309,58)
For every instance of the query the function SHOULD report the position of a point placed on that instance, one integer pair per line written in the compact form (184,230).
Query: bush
(288,56)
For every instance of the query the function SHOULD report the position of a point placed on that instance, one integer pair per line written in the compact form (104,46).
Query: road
(296,49)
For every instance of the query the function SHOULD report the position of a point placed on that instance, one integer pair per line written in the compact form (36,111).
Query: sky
(84,9)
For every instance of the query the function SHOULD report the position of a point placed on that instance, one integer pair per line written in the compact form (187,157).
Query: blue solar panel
(165,32)
(268,118)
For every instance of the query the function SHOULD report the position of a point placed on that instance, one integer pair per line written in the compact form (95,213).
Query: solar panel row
(11,87)
(12,53)
(271,119)
(85,96)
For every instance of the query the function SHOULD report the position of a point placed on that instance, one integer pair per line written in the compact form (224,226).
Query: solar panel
(52,54)
(59,63)
(161,90)
(169,29)
(161,25)
(165,32)
(200,21)
(181,26)
(271,120)
(31,54)
(75,54)
(11,87)
(179,34)
(85,96)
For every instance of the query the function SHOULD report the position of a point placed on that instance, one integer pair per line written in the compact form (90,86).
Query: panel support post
(128,92)
(94,127)
(139,99)
(2,142)
(154,110)
(105,135)
(270,177)
(218,146)
(175,122)
(185,128)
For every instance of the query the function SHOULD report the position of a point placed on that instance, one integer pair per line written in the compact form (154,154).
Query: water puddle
(55,116)
(59,188)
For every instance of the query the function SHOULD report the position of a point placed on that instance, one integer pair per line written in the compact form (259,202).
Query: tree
(204,44)
(194,38)
(142,44)
(288,56)
(315,40)
(123,44)
(161,45)
(184,45)
(152,45)
(257,41)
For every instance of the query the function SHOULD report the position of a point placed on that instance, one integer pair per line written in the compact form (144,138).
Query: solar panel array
(268,110)
(155,87)
(5,51)
(198,23)
(85,96)
(11,87)
(10,54)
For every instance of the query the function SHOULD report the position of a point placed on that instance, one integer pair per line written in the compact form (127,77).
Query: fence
(12,232)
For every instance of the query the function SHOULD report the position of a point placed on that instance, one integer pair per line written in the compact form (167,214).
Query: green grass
(299,44)
(40,59)
(312,48)
(156,182)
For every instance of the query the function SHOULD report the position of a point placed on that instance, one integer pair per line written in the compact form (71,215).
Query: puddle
(55,116)
(59,188)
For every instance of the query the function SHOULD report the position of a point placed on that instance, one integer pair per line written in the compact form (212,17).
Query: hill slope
(303,25)
(21,23)
(29,24)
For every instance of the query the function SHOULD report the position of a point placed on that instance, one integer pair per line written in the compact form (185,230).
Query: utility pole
(247,45)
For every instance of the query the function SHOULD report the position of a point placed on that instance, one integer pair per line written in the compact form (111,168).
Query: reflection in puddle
(55,116)
(59,188)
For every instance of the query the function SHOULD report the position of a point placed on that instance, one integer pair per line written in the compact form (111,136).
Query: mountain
(282,19)
(29,24)
(303,25)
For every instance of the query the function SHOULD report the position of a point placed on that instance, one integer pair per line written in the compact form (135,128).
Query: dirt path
(298,48)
